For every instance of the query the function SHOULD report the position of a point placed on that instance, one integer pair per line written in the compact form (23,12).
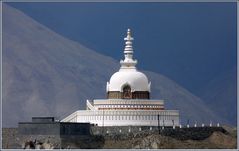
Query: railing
(89,105)
(131,108)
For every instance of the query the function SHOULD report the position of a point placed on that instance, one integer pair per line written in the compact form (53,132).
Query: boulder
(154,145)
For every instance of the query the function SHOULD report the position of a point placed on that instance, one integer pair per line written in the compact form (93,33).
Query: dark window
(127,92)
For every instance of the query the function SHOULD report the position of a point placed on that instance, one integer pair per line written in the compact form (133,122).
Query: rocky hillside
(154,141)
(176,139)
(45,74)
(140,140)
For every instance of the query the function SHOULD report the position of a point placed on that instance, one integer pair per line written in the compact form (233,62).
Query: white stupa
(128,100)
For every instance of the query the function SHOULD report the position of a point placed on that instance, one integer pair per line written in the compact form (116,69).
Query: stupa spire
(128,61)
(128,44)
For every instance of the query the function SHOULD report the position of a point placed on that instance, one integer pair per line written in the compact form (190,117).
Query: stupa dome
(135,79)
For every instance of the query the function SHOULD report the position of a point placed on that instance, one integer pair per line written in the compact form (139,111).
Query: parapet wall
(193,133)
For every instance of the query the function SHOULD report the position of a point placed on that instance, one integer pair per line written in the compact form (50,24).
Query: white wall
(125,118)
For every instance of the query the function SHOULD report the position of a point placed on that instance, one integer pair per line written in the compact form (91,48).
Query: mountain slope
(45,74)
(221,95)
(191,107)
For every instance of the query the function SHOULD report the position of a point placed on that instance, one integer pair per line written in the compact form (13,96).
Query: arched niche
(127,92)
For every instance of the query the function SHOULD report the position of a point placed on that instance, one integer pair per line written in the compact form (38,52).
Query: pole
(158,124)
(103,121)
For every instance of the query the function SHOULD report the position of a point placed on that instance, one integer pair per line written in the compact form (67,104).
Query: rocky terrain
(226,139)
(156,141)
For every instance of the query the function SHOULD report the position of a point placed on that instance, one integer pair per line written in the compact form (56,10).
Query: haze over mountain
(221,95)
(45,74)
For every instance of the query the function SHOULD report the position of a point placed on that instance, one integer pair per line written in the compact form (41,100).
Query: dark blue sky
(191,43)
